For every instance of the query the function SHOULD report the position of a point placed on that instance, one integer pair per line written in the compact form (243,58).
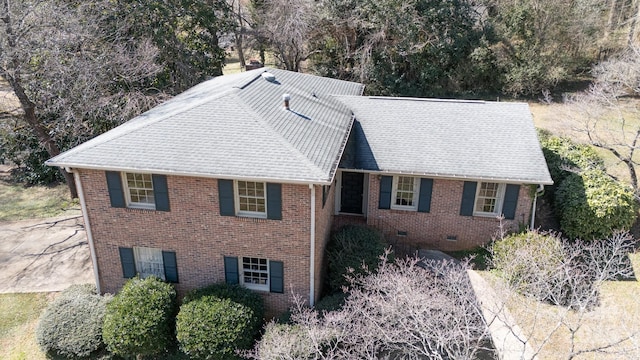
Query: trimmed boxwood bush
(71,326)
(216,321)
(591,205)
(140,318)
(331,302)
(350,248)
(214,328)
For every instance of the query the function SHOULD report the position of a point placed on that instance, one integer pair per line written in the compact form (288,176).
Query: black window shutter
(226,197)
(128,262)
(274,201)
(468,198)
(160,192)
(170,266)
(231,270)
(510,201)
(386,183)
(114,184)
(276,277)
(424,199)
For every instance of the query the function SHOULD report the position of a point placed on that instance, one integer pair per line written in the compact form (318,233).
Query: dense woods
(79,68)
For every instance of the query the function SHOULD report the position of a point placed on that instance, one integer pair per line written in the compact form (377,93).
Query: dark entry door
(351,193)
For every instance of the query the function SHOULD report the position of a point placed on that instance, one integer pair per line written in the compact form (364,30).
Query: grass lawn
(19,315)
(616,320)
(18,202)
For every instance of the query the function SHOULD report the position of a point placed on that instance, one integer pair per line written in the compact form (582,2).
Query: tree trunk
(40,131)
(239,38)
(634,22)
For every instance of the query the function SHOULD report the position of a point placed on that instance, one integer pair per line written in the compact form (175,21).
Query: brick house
(240,179)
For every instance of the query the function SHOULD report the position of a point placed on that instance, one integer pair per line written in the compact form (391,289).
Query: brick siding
(438,228)
(201,237)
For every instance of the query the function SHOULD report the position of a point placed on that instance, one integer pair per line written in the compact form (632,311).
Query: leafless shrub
(408,309)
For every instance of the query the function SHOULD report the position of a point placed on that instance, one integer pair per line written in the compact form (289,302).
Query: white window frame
(127,192)
(255,214)
(416,193)
(252,269)
(499,200)
(149,262)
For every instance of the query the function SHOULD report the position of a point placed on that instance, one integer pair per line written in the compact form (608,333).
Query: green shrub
(140,318)
(284,341)
(209,327)
(331,302)
(71,326)
(527,258)
(562,154)
(351,248)
(591,205)
(235,293)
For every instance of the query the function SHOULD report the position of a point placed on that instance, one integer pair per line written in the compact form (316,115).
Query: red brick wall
(430,230)
(201,237)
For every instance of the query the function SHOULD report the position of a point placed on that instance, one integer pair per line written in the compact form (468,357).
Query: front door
(352,192)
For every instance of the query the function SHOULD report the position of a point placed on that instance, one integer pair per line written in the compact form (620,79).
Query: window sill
(263,288)
(140,210)
(485,215)
(404,208)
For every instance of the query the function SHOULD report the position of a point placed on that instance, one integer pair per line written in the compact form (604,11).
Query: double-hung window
(139,191)
(254,273)
(149,262)
(251,197)
(489,199)
(405,192)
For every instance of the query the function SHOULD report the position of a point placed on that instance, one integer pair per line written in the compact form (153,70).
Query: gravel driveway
(44,255)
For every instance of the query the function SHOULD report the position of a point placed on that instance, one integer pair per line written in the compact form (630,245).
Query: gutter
(87,226)
(539,191)
(312,243)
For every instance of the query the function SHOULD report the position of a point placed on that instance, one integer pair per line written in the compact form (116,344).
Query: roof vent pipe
(286,98)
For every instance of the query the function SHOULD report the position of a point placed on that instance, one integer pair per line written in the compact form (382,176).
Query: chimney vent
(286,98)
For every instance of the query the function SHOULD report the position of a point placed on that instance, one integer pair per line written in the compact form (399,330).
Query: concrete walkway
(507,337)
(44,255)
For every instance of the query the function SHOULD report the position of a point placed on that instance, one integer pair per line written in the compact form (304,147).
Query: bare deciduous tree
(564,278)
(405,310)
(73,76)
(606,116)
(288,25)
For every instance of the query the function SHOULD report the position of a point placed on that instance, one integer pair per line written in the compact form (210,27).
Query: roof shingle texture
(232,126)
(446,138)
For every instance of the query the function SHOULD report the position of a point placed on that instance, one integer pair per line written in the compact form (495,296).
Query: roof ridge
(308,163)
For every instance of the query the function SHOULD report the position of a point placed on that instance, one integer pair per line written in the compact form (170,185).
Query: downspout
(87,227)
(312,243)
(539,191)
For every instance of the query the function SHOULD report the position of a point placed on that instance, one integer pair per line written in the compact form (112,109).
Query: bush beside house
(217,321)
(71,326)
(140,318)
(589,203)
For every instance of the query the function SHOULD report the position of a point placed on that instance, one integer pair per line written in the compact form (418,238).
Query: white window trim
(253,214)
(499,200)
(259,287)
(416,193)
(137,256)
(127,193)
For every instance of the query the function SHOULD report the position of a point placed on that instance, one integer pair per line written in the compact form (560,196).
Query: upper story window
(139,191)
(489,199)
(405,192)
(251,198)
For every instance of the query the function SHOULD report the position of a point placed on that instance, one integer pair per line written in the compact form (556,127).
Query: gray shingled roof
(446,138)
(232,126)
